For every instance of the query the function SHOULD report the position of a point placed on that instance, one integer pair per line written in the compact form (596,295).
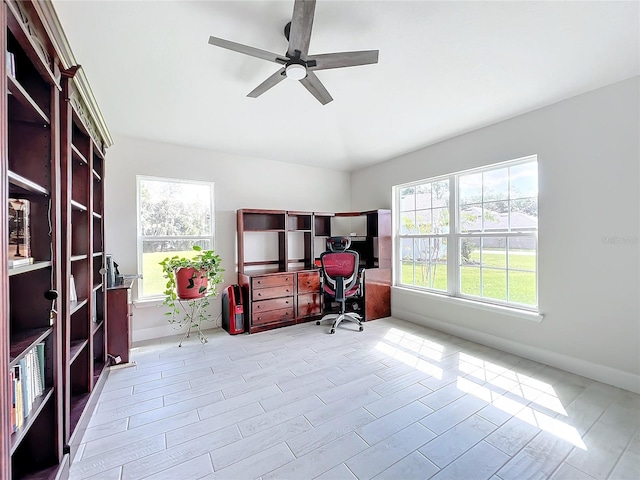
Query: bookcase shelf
(22,107)
(36,265)
(77,155)
(54,139)
(29,420)
(24,341)
(24,185)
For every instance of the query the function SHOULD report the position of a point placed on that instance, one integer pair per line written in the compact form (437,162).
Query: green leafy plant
(191,312)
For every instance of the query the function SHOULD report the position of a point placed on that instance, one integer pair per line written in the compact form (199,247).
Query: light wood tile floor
(397,401)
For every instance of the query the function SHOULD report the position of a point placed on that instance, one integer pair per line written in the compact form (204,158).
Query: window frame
(140,239)
(455,237)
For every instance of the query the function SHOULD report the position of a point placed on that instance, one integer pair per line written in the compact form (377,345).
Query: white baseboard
(600,373)
(143,334)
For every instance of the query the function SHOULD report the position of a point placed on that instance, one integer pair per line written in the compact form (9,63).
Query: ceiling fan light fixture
(296,71)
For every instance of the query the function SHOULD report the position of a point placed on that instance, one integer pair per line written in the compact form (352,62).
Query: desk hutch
(53,142)
(278,273)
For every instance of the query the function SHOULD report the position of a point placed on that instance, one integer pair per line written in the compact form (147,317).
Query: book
(73,295)
(24,387)
(40,355)
(12,382)
(11,64)
(20,262)
(19,398)
(19,232)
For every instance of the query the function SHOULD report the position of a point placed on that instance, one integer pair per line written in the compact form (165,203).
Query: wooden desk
(119,330)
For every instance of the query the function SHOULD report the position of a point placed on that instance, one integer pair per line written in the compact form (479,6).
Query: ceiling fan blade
(301,24)
(343,59)
(272,81)
(312,83)
(247,50)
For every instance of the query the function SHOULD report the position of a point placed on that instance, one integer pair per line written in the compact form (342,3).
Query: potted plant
(191,282)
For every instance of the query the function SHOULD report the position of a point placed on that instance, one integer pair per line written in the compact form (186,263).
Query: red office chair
(341,279)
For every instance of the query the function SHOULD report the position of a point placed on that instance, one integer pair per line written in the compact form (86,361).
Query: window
(471,234)
(173,216)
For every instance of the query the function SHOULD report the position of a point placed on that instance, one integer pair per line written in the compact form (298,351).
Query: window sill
(147,303)
(508,311)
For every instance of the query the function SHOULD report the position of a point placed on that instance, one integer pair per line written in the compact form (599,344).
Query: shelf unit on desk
(277,255)
(280,284)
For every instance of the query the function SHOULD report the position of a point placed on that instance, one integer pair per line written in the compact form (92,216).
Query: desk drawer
(308,282)
(275,304)
(269,281)
(272,292)
(309,305)
(273,316)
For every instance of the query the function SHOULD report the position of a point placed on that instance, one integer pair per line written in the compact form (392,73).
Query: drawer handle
(258,282)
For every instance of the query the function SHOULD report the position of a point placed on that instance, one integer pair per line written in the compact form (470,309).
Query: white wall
(589,207)
(240,182)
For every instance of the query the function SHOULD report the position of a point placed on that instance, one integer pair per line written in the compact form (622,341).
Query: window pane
(407,273)
(439,264)
(440,218)
(470,281)
(423,196)
(408,223)
(423,220)
(471,219)
(522,253)
(154,251)
(170,208)
(470,188)
(470,251)
(440,193)
(421,249)
(522,288)
(494,252)
(524,214)
(494,283)
(406,249)
(524,180)
(407,199)
(495,216)
(495,184)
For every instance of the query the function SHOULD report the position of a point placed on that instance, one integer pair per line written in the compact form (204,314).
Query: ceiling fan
(296,63)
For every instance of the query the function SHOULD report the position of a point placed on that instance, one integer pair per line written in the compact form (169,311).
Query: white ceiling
(445,68)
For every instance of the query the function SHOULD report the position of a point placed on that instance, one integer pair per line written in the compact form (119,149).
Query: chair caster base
(318,322)
(333,330)
(361,329)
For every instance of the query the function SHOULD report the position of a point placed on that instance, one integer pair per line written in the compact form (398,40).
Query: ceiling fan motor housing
(296,71)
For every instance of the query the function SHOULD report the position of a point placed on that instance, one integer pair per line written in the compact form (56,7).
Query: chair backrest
(340,271)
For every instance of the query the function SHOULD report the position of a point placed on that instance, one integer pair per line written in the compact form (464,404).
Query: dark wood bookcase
(53,144)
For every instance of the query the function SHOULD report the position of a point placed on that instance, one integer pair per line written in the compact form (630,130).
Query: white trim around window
(471,235)
(173,216)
